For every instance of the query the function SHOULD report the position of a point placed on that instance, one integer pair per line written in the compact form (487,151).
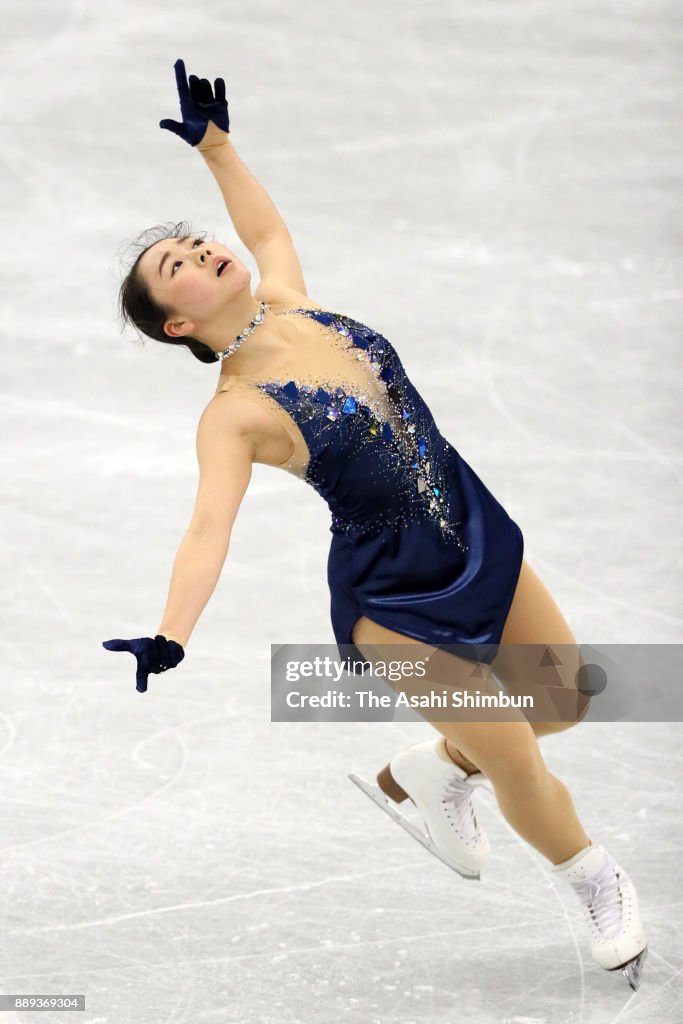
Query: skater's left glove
(153,655)
(198,106)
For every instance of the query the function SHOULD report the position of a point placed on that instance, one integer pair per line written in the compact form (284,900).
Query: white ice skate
(442,793)
(610,909)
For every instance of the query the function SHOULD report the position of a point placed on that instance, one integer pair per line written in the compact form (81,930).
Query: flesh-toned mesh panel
(320,357)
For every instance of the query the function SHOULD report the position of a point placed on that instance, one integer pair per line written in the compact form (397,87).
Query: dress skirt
(407,578)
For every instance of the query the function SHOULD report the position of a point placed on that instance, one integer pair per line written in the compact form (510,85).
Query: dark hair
(136,305)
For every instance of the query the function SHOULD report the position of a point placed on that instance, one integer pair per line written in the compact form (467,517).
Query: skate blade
(633,970)
(383,802)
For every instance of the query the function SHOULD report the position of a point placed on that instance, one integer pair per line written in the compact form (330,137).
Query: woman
(421,552)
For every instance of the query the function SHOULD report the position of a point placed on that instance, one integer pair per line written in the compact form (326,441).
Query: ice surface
(495,187)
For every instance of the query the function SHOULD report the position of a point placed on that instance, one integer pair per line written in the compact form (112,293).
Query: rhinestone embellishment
(408,456)
(246,333)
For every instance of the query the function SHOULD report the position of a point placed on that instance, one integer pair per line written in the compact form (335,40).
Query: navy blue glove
(153,655)
(198,106)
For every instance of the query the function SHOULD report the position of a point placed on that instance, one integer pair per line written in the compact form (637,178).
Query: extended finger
(181,79)
(141,680)
(219,90)
(117,645)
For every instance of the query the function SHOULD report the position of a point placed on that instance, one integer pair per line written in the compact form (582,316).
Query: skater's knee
(583,706)
(573,715)
(548,728)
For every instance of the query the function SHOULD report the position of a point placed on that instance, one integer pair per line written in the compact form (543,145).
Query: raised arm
(260,227)
(254,216)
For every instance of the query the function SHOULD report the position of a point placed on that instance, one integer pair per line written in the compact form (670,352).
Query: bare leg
(534,802)
(534,618)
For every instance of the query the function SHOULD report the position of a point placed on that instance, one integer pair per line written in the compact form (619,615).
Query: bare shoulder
(231,413)
(275,293)
(236,420)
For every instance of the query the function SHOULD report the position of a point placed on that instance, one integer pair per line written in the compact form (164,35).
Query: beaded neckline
(274,369)
(246,333)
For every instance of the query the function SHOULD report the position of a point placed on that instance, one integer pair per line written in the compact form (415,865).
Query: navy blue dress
(419,544)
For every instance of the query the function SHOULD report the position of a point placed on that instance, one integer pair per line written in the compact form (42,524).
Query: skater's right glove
(153,655)
(198,106)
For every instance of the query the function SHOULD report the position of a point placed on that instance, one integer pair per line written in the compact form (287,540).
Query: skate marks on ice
(646,1003)
(382,801)
(631,970)
(482,101)
(650,1004)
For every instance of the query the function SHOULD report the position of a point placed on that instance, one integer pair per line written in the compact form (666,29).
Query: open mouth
(222,265)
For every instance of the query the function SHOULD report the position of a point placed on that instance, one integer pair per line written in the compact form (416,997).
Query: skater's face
(185,276)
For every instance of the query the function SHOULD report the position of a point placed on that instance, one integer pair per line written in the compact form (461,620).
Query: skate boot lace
(457,796)
(601,894)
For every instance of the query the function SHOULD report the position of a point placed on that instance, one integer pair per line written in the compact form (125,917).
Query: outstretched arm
(260,227)
(225,456)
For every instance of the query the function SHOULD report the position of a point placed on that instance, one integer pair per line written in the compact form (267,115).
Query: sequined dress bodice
(363,436)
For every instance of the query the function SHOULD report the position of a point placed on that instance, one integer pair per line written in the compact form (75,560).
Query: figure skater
(421,552)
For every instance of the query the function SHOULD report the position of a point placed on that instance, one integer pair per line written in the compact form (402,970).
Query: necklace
(234,345)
